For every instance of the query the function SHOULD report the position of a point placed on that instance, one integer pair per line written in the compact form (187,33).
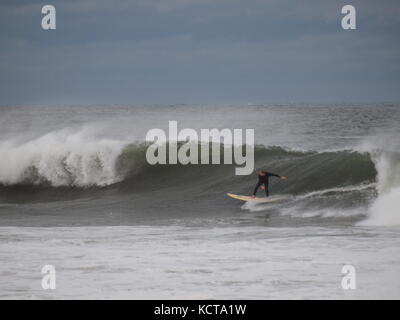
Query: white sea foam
(386,208)
(384,150)
(326,212)
(174,262)
(346,189)
(61,158)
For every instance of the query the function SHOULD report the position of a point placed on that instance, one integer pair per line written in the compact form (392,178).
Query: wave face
(68,159)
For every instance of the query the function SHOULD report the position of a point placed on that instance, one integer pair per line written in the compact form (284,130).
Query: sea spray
(384,150)
(61,158)
(385,211)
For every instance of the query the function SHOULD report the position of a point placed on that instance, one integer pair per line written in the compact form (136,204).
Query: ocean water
(77,193)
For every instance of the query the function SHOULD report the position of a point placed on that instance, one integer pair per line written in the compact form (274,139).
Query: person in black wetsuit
(263,181)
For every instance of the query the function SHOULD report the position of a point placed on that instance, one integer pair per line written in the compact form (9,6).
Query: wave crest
(61,159)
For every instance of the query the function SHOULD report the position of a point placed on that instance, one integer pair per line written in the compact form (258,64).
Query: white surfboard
(256,199)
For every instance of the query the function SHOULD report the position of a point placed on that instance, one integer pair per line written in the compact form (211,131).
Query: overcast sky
(199,51)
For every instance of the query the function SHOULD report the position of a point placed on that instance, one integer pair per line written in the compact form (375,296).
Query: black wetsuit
(264,180)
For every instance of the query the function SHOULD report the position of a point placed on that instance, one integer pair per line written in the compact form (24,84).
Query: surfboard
(256,199)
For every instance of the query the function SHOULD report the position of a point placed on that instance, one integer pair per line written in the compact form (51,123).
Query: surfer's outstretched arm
(270,174)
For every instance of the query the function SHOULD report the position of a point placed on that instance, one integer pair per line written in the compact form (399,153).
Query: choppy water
(76,192)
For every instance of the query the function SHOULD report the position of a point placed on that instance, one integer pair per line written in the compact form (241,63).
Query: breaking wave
(71,160)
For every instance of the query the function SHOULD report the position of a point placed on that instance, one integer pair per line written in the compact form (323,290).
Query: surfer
(263,181)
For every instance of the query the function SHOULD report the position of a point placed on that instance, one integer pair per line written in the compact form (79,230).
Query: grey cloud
(170,51)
